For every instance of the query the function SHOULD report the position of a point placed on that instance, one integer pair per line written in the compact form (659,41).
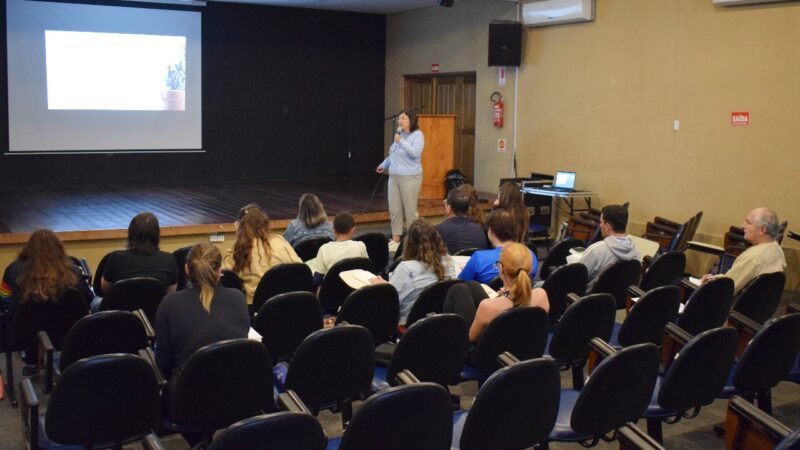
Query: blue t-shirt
(481,266)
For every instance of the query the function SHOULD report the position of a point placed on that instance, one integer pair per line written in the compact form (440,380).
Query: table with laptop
(543,193)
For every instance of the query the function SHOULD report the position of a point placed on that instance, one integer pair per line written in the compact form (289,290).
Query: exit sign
(740,118)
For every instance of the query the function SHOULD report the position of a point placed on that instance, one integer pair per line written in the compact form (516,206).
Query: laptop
(564,182)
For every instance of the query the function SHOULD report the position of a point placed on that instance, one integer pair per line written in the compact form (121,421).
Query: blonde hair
(204,261)
(311,212)
(516,262)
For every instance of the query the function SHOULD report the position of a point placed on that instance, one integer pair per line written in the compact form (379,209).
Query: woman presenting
(404,165)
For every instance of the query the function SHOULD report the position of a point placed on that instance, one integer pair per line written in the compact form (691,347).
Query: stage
(103,212)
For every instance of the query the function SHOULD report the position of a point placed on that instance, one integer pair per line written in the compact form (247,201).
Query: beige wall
(600,98)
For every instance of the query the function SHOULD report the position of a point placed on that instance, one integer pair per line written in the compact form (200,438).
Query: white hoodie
(606,252)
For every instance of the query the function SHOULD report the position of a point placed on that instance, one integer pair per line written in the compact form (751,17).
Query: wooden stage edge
(427,208)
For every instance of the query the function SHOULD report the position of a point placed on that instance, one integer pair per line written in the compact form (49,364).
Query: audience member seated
(502,231)
(761,229)
(615,246)
(200,315)
(311,221)
(344,227)
(510,199)
(41,273)
(425,261)
(143,257)
(256,249)
(474,213)
(514,265)
(457,231)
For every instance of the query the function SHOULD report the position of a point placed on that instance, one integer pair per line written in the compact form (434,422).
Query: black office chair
(433,348)
(515,408)
(618,392)
(221,383)
(430,300)
(467,251)
(663,271)
(648,316)
(463,299)
(707,307)
(331,368)
(520,331)
(230,280)
(377,249)
(376,308)
(414,416)
(693,380)
(280,279)
(760,298)
(587,318)
(307,248)
(616,278)
(496,283)
(276,431)
(101,402)
(97,281)
(180,259)
(333,290)
(285,320)
(557,257)
(571,278)
(130,294)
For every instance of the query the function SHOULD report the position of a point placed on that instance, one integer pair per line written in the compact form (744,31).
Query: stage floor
(103,212)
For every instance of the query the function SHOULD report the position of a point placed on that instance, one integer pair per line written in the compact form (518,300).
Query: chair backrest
(180,259)
(696,377)
(515,408)
(769,355)
(648,316)
(103,333)
(618,391)
(55,317)
(759,299)
(376,308)
(285,320)
(571,278)
(467,251)
(558,256)
(222,383)
(616,278)
(418,415)
(590,317)
(664,270)
(106,398)
(685,234)
(97,286)
(434,349)
(332,365)
(277,431)
(781,231)
(307,248)
(461,300)
(230,280)
(430,300)
(521,331)
(333,290)
(130,294)
(377,249)
(496,283)
(288,277)
(708,306)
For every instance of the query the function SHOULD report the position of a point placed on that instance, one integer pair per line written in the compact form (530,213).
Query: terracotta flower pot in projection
(174,100)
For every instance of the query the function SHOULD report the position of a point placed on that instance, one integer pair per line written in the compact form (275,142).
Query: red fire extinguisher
(497,108)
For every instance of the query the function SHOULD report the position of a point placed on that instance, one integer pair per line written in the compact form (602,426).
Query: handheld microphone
(399,130)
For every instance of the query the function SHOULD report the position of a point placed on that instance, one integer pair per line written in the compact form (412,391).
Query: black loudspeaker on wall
(505,43)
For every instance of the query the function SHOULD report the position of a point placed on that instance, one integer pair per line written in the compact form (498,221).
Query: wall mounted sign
(740,118)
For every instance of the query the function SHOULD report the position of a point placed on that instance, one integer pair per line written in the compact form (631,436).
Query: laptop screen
(564,180)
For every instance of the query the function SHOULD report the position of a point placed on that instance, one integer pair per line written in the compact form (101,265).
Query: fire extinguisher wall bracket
(497,109)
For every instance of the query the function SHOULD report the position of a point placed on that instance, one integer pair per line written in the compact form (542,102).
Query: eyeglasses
(498,265)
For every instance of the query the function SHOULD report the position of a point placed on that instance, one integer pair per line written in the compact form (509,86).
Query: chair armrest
(698,246)
(598,350)
(151,442)
(666,222)
(794,235)
(673,341)
(46,349)
(406,377)
(506,359)
(632,438)
(149,331)
(290,401)
(793,308)
(30,413)
(686,284)
(677,333)
(745,327)
(85,270)
(571,298)
(148,355)
(746,426)
(635,291)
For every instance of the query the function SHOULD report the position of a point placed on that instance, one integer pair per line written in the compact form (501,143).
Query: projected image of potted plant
(175,94)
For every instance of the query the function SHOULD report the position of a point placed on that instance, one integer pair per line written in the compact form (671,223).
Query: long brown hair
(424,244)
(253,226)
(511,199)
(47,270)
(516,263)
(474,213)
(203,262)
(311,212)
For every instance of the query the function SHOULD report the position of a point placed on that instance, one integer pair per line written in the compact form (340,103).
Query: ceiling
(362,6)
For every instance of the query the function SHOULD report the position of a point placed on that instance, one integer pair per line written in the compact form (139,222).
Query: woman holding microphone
(404,165)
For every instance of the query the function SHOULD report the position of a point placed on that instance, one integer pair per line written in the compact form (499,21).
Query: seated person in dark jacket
(142,258)
(457,231)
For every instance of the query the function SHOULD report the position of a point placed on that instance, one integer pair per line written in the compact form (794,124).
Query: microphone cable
(371,197)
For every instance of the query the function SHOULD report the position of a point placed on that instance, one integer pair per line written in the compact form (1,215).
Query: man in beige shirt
(765,256)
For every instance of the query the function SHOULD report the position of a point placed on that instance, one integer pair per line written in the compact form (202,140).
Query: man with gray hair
(765,256)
